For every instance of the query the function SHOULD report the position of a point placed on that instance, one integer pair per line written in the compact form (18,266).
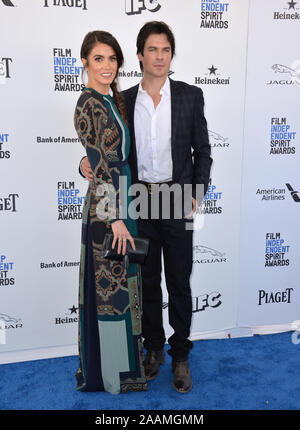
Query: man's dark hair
(154,27)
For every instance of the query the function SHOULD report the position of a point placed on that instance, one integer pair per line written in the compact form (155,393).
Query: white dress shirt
(153,136)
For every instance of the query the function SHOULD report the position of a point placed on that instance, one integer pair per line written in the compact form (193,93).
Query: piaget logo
(80,4)
(9,203)
(5,72)
(265,297)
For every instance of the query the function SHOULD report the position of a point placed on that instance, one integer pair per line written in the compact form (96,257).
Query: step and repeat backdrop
(244,56)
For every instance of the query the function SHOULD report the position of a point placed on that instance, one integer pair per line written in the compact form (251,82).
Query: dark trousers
(170,237)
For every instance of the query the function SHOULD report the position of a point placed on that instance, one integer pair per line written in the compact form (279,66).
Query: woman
(110,346)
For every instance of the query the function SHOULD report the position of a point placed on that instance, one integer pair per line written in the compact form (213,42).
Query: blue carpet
(253,373)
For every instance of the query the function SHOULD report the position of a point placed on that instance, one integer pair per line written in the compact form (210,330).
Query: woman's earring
(84,77)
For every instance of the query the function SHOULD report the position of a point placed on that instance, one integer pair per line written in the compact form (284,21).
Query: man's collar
(164,89)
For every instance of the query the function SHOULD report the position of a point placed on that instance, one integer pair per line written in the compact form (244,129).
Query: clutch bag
(131,256)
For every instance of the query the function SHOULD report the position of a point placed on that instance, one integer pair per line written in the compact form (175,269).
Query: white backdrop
(249,71)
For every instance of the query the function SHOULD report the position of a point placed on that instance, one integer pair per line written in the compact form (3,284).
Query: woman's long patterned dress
(110,345)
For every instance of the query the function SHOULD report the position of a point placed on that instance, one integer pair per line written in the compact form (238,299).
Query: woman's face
(102,66)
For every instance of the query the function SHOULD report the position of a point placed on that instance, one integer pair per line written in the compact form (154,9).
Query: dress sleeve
(90,120)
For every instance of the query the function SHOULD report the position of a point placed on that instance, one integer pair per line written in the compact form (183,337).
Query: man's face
(157,56)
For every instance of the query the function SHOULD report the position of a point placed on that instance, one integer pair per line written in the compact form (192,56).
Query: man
(169,145)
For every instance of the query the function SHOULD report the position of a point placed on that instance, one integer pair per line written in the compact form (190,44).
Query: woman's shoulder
(90,98)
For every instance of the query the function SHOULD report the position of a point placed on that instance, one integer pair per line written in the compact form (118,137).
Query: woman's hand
(86,169)
(121,234)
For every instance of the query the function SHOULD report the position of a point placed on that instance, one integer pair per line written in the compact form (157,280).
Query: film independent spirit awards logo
(66,71)
(4,140)
(282,137)
(6,272)
(69,201)
(214,14)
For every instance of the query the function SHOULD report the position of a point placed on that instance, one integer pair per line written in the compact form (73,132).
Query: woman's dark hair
(154,27)
(88,43)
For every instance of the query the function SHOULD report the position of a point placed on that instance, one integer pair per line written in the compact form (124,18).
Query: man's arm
(200,145)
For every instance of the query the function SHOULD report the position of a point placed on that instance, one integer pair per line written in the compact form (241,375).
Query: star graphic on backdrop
(73,310)
(291,4)
(212,70)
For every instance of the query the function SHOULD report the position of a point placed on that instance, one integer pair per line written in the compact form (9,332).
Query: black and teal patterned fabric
(110,344)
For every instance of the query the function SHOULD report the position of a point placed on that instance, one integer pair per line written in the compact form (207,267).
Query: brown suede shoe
(152,362)
(182,381)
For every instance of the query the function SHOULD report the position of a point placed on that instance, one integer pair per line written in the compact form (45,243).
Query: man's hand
(86,169)
(195,204)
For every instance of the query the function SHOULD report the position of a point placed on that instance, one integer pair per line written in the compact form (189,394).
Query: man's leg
(178,254)
(178,260)
(152,322)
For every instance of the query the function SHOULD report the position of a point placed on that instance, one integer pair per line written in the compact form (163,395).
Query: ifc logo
(133,7)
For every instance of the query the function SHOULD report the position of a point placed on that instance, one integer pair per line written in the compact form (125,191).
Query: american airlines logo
(7,3)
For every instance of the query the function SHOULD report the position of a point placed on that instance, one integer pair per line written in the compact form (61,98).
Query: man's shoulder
(130,92)
(184,86)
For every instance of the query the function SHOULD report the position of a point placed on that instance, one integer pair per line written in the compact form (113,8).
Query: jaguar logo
(8,319)
(200,249)
(280,68)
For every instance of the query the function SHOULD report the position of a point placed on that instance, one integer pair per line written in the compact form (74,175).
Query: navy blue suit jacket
(190,146)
